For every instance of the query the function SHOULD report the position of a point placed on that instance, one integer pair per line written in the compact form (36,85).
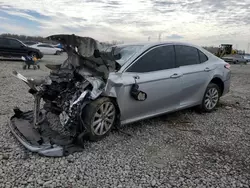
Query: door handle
(175,75)
(136,77)
(207,69)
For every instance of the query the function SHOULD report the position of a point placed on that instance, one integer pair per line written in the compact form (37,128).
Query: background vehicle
(47,49)
(10,47)
(30,43)
(235,59)
(247,57)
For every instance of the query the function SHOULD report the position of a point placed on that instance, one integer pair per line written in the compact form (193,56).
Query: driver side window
(159,58)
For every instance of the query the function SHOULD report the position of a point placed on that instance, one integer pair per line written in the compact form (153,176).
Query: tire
(24,67)
(38,66)
(211,98)
(58,53)
(34,67)
(93,118)
(33,54)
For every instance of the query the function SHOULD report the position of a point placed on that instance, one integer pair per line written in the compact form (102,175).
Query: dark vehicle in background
(235,59)
(10,47)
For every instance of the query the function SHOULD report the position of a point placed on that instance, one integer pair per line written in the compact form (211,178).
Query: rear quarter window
(203,57)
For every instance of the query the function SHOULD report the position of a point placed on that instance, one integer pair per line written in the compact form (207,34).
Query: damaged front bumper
(43,140)
(30,138)
(33,129)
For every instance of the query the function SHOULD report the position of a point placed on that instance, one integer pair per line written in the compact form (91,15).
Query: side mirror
(137,94)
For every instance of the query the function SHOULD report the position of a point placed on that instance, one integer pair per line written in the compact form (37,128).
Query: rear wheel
(211,98)
(58,52)
(99,117)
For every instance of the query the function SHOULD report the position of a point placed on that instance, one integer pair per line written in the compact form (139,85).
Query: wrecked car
(99,88)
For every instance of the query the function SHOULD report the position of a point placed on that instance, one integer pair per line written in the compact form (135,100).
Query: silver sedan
(95,90)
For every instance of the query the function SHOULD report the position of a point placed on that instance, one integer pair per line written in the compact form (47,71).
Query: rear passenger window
(159,58)
(203,57)
(186,55)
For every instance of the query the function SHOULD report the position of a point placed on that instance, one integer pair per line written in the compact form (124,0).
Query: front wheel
(99,117)
(211,98)
(33,54)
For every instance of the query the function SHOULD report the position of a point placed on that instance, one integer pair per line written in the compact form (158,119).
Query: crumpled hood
(88,53)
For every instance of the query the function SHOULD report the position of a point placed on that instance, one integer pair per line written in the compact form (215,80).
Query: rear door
(197,73)
(156,75)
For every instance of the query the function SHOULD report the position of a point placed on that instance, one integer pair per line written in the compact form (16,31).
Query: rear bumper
(43,149)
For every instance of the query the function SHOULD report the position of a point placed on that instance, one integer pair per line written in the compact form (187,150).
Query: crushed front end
(57,129)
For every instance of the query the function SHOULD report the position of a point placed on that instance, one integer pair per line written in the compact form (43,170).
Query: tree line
(44,40)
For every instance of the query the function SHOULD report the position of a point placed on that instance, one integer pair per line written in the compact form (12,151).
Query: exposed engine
(65,93)
(79,80)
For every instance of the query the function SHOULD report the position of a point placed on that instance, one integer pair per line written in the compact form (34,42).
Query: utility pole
(159,37)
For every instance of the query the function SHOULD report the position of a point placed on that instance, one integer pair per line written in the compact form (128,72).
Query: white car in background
(47,49)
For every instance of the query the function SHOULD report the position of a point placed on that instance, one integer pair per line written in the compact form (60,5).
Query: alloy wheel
(211,98)
(103,119)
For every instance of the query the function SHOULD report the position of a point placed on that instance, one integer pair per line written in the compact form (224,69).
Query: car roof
(151,44)
(8,38)
(43,44)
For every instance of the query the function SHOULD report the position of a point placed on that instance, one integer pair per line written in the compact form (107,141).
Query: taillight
(227,66)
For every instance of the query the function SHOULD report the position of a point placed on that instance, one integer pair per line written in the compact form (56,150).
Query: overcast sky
(203,22)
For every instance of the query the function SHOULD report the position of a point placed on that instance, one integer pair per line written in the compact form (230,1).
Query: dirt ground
(182,149)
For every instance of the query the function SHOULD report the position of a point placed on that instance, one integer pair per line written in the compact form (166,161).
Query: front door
(156,75)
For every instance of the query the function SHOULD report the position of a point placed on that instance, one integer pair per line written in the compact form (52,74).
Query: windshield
(125,52)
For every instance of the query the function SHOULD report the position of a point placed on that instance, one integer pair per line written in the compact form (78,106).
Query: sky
(202,22)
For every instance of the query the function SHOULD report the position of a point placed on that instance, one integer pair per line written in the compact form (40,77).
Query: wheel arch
(218,81)
(118,115)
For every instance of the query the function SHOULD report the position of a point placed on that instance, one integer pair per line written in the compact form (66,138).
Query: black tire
(24,67)
(58,52)
(88,117)
(38,66)
(203,107)
(33,54)
(34,67)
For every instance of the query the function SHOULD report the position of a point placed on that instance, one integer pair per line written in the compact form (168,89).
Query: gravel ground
(183,149)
